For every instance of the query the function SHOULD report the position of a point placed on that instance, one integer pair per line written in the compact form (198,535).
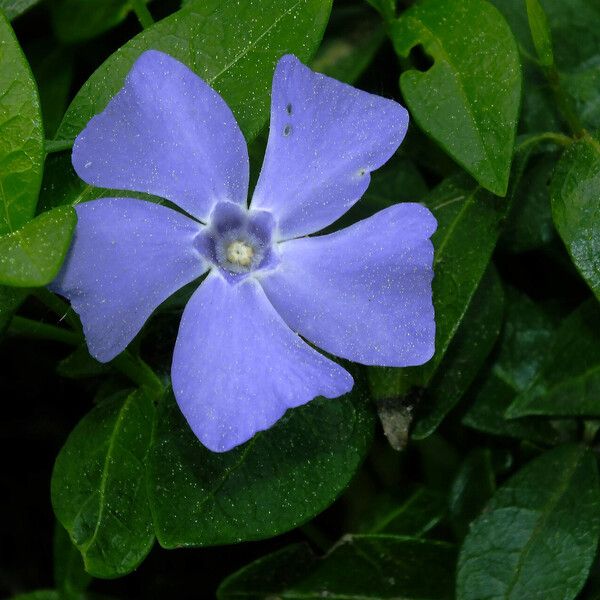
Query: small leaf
(98,485)
(568,381)
(540,32)
(70,577)
(235,48)
(40,595)
(465,356)
(349,48)
(79,364)
(468,101)
(74,21)
(414,516)
(21,135)
(278,480)
(360,567)
(522,349)
(33,255)
(10,300)
(576,206)
(15,8)
(472,487)
(538,536)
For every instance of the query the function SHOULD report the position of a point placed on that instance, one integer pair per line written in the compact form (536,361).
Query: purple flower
(362,293)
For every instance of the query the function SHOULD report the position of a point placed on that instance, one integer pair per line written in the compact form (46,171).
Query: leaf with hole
(468,101)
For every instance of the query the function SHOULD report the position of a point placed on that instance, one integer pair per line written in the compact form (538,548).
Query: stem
(57,145)
(138,371)
(142,13)
(57,306)
(559,139)
(42,331)
(563,102)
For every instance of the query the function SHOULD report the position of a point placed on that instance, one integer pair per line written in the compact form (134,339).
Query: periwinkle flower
(362,293)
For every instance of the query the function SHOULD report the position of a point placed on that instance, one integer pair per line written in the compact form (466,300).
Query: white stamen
(240,253)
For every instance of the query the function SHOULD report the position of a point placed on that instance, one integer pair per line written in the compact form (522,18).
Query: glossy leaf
(416,515)
(33,255)
(74,21)
(576,207)
(469,223)
(21,135)
(98,485)
(538,536)
(350,46)
(465,356)
(360,567)
(10,300)
(471,489)
(235,47)
(70,577)
(568,381)
(281,478)
(14,8)
(522,348)
(540,32)
(468,101)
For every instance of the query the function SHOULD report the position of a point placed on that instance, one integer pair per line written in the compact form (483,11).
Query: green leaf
(465,356)
(10,300)
(468,101)
(70,577)
(469,222)
(74,21)
(99,489)
(568,381)
(387,8)
(522,349)
(235,48)
(14,8)
(540,32)
(576,206)
(471,489)
(21,135)
(529,225)
(281,478)
(33,255)
(79,365)
(538,536)
(353,41)
(419,513)
(359,567)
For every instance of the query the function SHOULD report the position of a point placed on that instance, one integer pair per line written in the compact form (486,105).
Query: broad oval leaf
(360,567)
(14,8)
(568,380)
(33,255)
(99,489)
(21,134)
(576,206)
(281,478)
(538,536)
(468,101)
(466,354)
(232,45)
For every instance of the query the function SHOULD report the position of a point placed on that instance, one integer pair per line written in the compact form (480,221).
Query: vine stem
(142,13)
(563,102)
(42,331)
(51,146)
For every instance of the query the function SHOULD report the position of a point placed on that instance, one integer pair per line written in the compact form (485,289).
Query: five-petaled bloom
(362,293)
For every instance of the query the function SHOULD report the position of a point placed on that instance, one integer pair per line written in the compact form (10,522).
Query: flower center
(240,253)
